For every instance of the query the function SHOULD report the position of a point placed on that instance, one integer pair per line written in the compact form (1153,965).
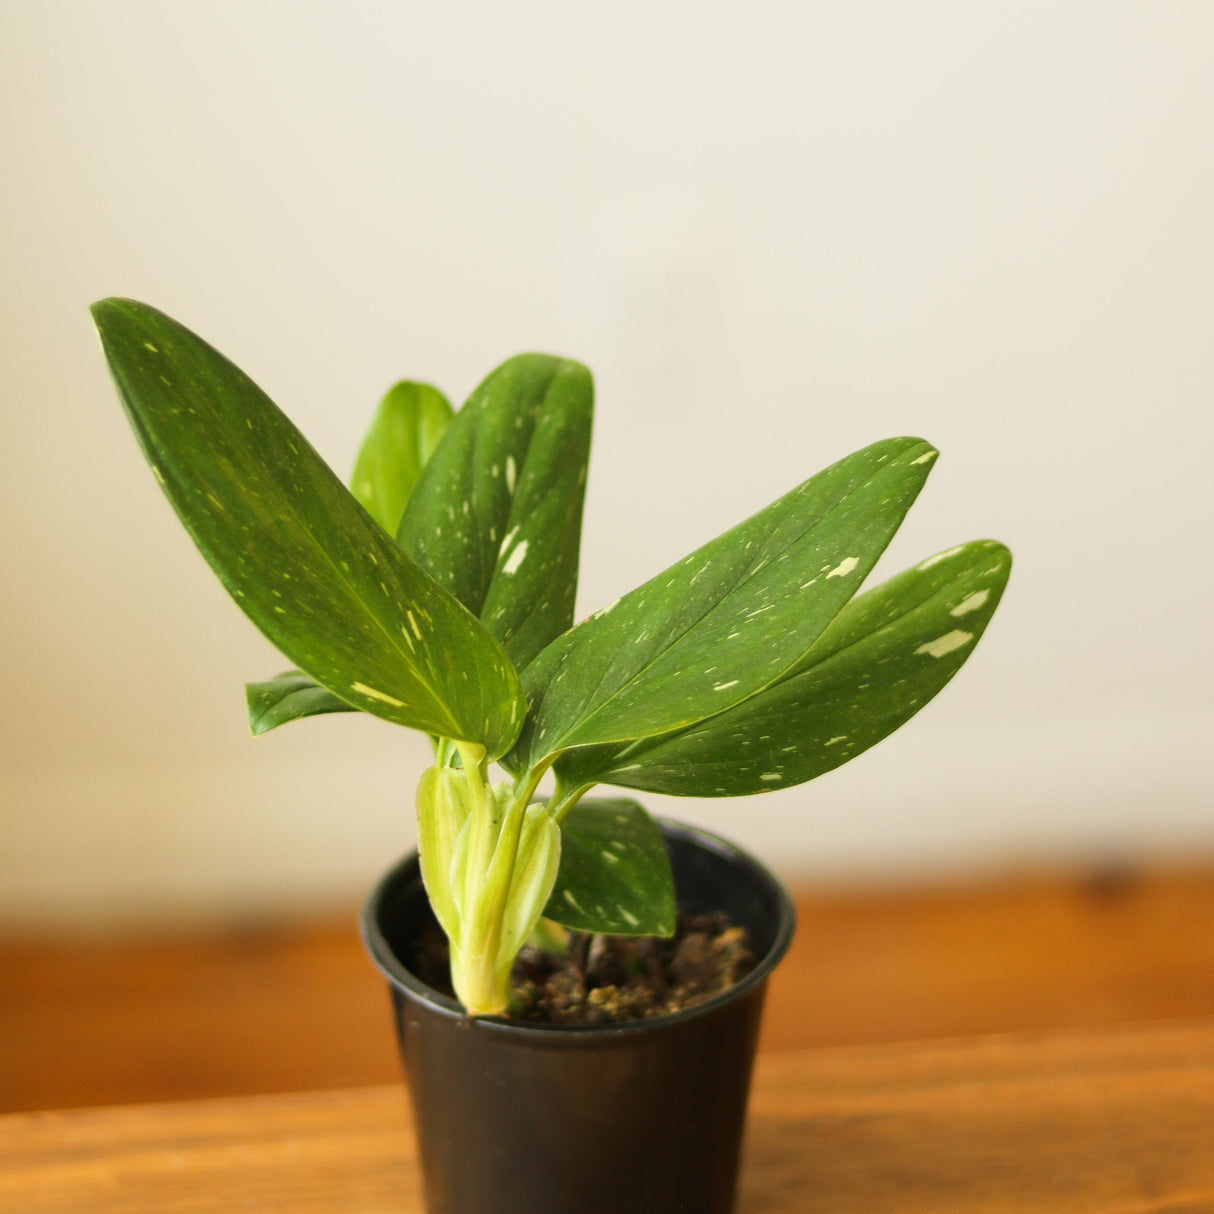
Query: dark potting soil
(610,979)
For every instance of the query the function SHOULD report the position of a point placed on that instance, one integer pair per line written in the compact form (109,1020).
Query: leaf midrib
(587,721)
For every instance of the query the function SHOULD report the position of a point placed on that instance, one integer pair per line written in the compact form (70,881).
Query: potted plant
(437,592)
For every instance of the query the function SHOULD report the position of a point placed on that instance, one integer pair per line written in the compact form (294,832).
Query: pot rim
(391,967)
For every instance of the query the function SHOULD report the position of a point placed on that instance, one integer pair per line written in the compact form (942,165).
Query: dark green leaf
(497,514)
(406,429)
(886,654)
(407,426)
(615,875)
(728,620)
(301,557)
(288,697)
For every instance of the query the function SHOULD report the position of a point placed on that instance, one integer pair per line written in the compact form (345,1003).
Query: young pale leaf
(406,429)
(444,804)
(728,620)
(535,868)
(288,697)
(301,557)
(497,514)
(885,655)
(615,875)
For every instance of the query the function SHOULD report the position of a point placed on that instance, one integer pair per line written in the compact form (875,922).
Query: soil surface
(611,979)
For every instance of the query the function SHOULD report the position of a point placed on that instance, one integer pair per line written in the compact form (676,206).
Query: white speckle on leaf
(972,603)
(632,919)
(611,857)
(807,585)
(147,345)
(923,459)
(510,472)
(413,624)
(940,556)
(771,776)
(725,686)
(508,540)
(838,738)
(382,696)
(946,644)
(568,896)
(844,567)
(515,559)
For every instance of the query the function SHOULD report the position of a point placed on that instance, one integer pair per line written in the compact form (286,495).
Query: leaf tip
(112,305)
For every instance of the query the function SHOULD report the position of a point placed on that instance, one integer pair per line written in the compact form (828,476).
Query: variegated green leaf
(615,875)
(301,557)
(885,655)
(497,514)
(727,621)
(407,427)
(288,697)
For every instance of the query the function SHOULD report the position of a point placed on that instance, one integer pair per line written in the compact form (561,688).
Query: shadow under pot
(521,1118)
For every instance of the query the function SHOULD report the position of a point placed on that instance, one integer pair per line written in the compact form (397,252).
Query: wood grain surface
(295,1006)
(1116,1121)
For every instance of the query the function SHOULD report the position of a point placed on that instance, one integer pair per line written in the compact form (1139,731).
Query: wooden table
(1111,1120)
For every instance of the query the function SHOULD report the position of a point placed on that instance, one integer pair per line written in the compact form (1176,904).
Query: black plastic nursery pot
(521,1118)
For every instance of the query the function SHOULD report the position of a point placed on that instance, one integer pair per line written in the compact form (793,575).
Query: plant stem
(528,782)
(565,799)
(473,758)
(492,917)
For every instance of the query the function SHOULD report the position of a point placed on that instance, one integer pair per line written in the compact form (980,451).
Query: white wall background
(775,231)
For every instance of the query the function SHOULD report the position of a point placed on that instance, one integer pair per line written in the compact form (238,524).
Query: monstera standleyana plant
(437,592)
